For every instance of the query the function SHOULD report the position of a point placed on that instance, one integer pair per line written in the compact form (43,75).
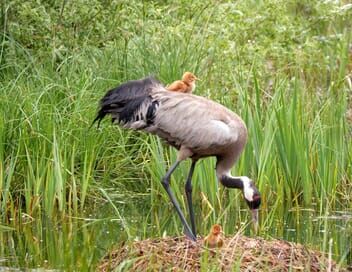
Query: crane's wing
(195,122)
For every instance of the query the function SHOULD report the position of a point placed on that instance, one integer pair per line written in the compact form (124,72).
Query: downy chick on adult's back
(186,85)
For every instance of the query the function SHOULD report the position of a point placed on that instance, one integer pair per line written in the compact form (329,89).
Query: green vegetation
(284,66)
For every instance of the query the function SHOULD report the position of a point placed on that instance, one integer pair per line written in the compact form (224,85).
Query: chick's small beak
(255,219)
(196,78)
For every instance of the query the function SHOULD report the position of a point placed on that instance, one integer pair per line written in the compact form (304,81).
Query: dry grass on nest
(238,253)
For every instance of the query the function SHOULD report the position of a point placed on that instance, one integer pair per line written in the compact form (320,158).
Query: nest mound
(239,253)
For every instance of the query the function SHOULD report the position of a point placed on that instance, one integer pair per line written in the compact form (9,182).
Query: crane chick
(186,85)
(214,238)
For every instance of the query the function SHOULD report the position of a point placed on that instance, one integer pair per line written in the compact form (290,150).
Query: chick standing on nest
(214,238)
(186,85)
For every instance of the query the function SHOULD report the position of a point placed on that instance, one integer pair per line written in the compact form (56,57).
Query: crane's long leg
(166,183)
(188,189)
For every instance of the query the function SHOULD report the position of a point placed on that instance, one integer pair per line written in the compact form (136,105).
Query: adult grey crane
(196,126)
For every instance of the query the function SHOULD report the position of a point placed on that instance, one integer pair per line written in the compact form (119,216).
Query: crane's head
(189,78)
(252,197)
(250,192)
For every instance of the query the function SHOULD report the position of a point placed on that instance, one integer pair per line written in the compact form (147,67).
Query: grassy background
(284,66)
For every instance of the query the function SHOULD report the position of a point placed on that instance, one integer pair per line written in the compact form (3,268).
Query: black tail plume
(100,116)
(123,101)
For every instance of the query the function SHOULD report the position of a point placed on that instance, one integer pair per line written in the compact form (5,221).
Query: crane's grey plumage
(196,126)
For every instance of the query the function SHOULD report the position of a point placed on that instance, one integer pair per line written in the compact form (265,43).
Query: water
(72,243)
(59,244)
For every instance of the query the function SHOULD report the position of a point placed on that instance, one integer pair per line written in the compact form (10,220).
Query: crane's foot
(189,235)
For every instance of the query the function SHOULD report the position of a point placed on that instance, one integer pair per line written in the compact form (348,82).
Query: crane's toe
(189,235)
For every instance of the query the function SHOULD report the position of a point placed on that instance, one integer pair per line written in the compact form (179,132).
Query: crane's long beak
(198,79)
(255,220)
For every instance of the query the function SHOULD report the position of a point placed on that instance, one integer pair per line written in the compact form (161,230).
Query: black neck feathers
(232,182)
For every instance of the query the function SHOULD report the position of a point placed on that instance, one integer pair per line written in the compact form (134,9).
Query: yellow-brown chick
(214,238)
(186,85)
